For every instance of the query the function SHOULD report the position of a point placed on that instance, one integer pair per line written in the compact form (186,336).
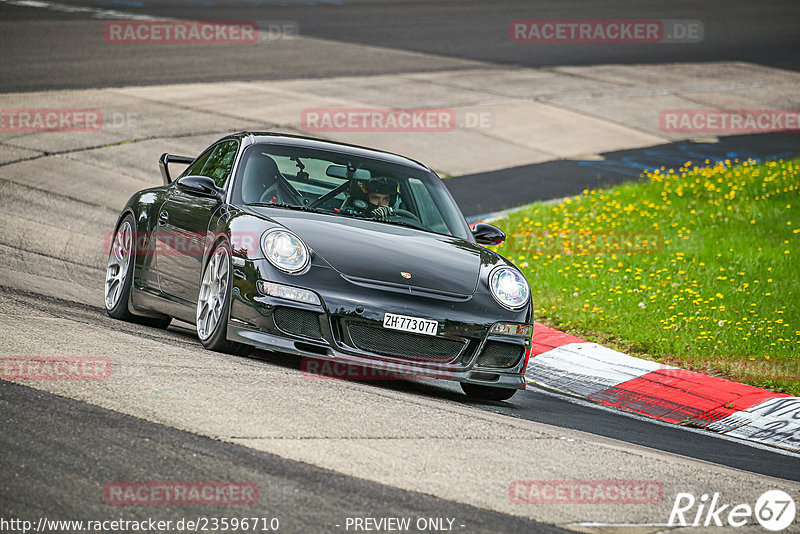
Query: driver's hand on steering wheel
(382,212)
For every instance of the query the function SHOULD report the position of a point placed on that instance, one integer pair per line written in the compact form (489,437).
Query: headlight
(509,287)
(285,250)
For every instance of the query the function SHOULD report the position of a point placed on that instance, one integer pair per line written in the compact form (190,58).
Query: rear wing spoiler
(166,159)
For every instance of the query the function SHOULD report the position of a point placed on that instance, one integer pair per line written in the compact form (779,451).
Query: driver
(380,194)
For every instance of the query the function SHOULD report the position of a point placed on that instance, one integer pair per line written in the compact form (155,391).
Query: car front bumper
(347,327)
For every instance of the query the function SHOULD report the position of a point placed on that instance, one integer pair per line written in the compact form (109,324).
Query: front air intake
(501,355)
(416,347)
(298,322)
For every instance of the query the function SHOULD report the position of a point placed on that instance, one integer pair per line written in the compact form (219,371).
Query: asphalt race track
(56,450)
(319,451)
(50,442)
(444,34)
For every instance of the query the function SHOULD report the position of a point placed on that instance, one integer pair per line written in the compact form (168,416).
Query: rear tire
(487,393)
(119,277)
(214,304)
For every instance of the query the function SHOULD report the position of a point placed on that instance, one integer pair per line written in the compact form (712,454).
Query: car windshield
(344,185)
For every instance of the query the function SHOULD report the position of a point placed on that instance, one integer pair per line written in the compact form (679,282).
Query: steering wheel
(274,191)
(270,193)
(407,215)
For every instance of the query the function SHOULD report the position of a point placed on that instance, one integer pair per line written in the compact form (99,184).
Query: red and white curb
(572,365)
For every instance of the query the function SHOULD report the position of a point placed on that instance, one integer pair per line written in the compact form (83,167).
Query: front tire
(214,303)
(487,393)
(119,277)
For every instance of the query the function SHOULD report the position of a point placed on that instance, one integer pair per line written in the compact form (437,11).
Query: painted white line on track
(581,402)
(666,526)
(97,13)
(775,421)
(593,524)
(585,370)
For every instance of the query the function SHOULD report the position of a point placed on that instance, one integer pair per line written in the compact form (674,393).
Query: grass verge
(697,267)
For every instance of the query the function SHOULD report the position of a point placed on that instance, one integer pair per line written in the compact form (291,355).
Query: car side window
(197,166)
(216,163)
(220,162)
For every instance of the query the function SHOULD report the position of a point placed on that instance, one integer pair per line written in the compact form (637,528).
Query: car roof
(322,144)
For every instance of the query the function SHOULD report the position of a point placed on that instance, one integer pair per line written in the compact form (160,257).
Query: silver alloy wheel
(213,290)
(119,258)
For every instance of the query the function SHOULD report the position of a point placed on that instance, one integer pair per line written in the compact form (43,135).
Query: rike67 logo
(774,510)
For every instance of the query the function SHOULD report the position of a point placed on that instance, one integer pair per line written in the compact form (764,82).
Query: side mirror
(201,186)
(486,234)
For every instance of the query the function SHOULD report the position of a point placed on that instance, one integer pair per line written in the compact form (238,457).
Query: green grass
(697,268)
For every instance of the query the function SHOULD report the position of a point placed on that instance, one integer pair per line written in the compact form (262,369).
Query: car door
(182,226)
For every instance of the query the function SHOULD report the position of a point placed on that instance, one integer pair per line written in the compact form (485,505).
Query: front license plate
(410,324)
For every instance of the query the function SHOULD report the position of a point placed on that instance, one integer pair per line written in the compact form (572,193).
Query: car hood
(368,251)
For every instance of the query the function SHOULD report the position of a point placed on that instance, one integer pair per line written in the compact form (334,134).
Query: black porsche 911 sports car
(324,250)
